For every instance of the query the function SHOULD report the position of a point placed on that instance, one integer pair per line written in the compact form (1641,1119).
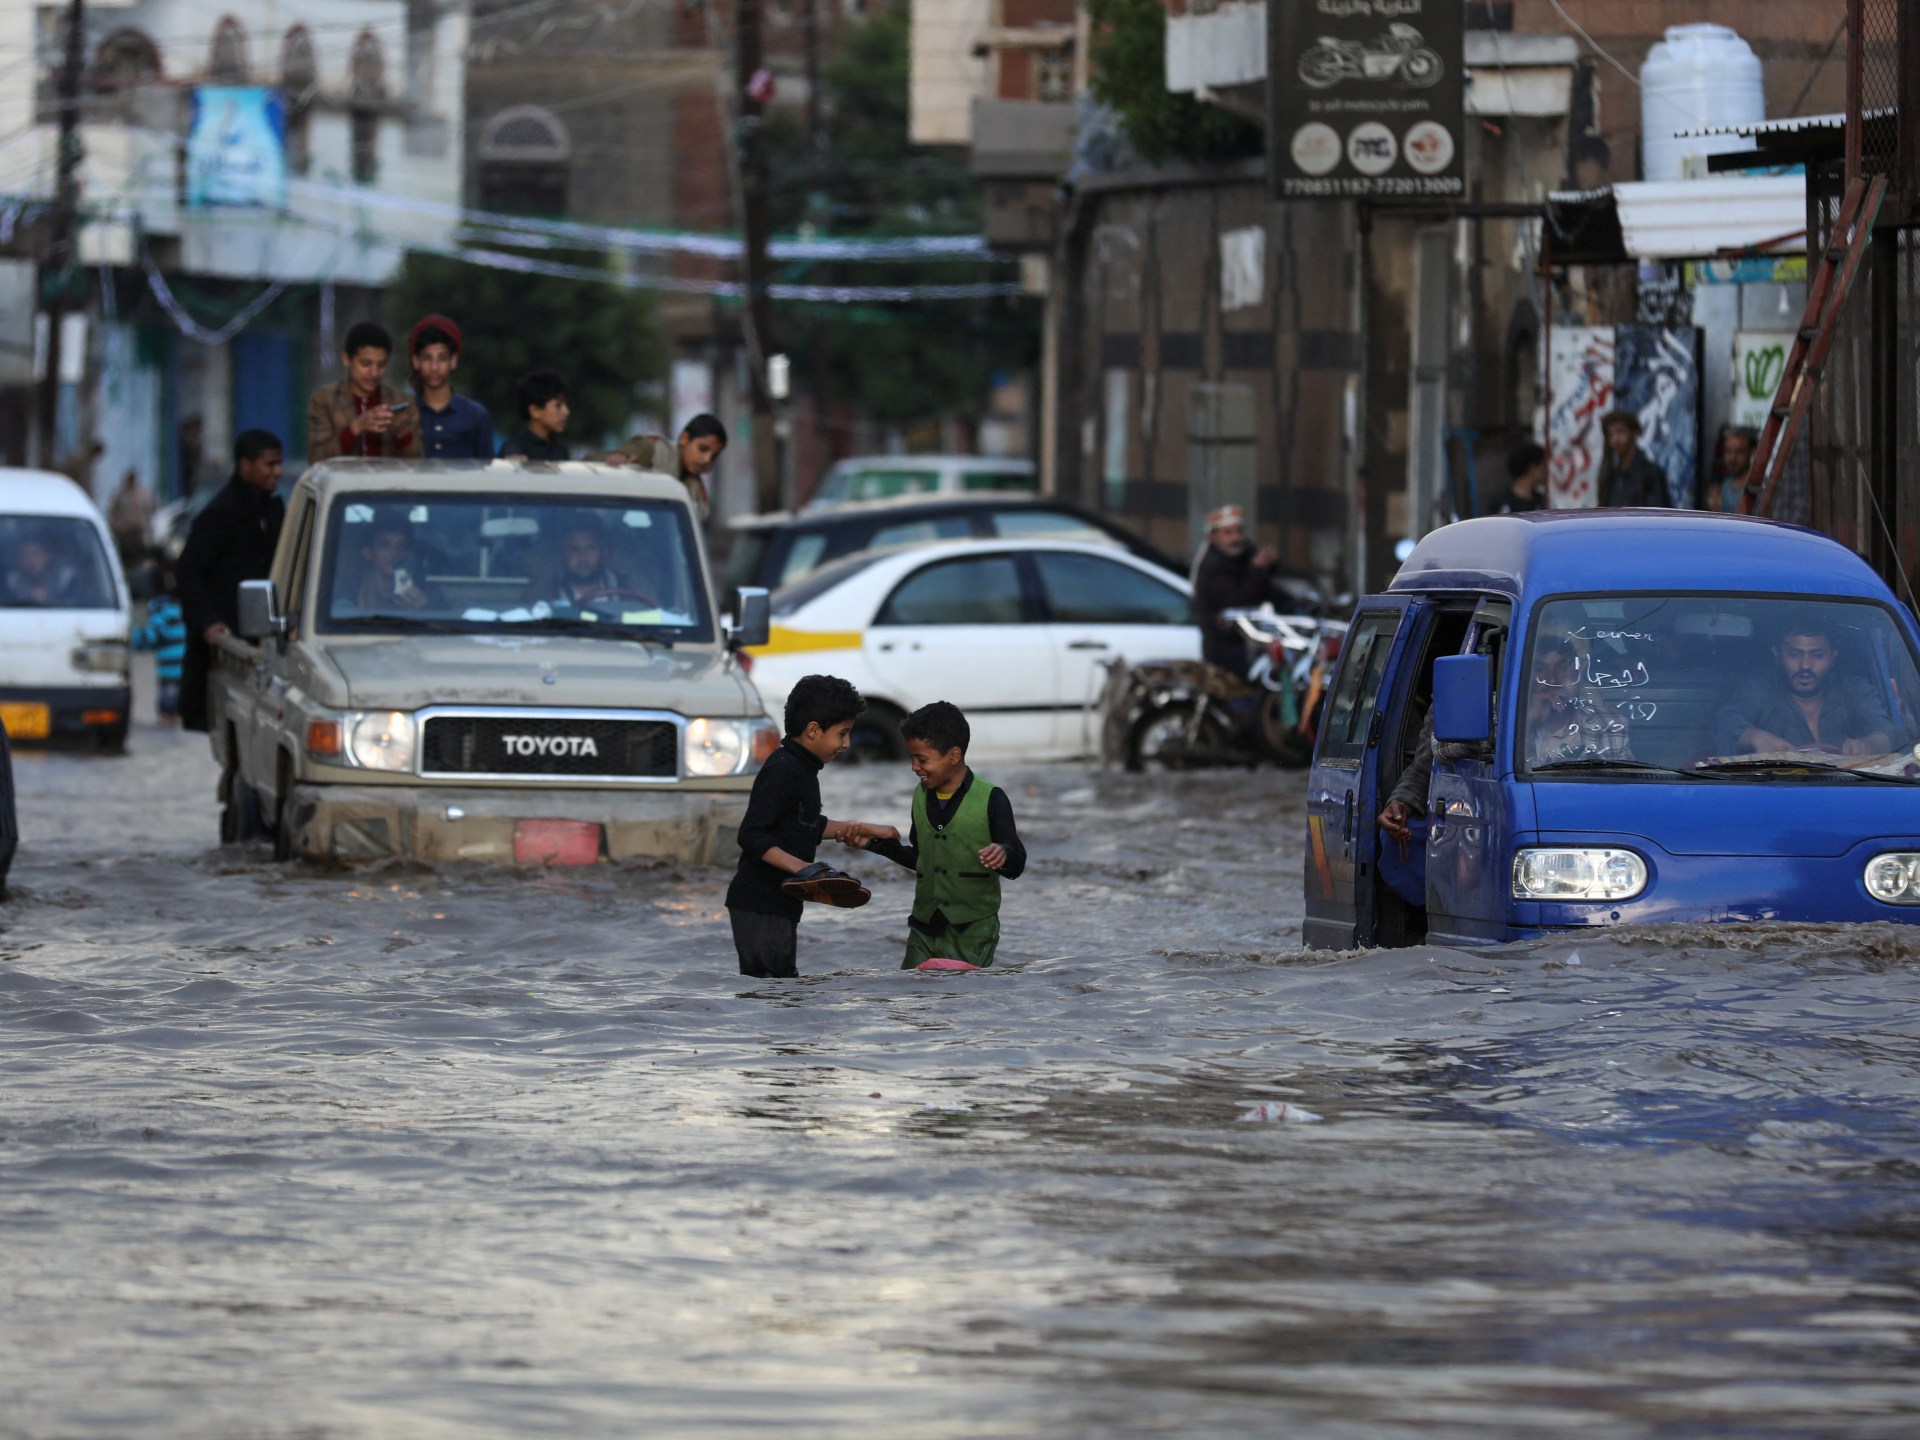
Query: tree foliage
(602,337)
(898,363)
(1129,75)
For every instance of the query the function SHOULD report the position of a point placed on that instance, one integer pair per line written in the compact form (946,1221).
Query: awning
(1720,216)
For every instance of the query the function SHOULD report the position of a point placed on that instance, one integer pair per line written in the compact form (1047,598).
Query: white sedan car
(1016,633)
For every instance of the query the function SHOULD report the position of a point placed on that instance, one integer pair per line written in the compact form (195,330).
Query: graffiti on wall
(1651,370)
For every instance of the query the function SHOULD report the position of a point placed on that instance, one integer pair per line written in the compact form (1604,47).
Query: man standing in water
(232,540)
(1232,575)
(1807,706)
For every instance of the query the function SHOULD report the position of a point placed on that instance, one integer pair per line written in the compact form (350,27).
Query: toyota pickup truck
(456,660)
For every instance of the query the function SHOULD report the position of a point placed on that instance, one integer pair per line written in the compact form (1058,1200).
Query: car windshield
(479,562)
(1719,681)
(790,598)
(53,562)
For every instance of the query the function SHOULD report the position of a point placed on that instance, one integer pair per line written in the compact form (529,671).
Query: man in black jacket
(232,540)
(1629,476)
(1232,576)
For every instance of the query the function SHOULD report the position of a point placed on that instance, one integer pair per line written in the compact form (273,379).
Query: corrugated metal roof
(1699,219)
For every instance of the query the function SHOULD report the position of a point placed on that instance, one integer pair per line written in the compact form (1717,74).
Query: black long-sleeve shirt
(783,812)
(1000,830)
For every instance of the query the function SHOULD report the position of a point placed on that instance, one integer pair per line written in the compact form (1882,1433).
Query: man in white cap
(1232,575)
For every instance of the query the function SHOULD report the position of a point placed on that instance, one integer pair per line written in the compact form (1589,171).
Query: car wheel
(876,735)
(114,741)
(283,817)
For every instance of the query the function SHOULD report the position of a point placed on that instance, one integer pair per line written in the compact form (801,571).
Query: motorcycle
(1185,714)
(1402,51)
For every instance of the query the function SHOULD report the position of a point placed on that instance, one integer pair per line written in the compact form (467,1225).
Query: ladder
(1826,297)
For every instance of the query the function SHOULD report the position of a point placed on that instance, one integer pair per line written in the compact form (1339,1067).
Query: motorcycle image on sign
(1401,53)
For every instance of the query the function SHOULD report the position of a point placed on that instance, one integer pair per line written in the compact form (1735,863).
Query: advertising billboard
(1366,99)
(237,147)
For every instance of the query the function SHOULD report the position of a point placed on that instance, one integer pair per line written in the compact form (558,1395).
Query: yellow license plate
(26,722)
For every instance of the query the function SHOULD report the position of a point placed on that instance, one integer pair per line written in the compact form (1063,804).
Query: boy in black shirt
(543,419)
(783,827)
(962,845)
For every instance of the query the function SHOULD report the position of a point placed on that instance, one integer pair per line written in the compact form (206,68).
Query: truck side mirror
(259,615)
(753,626)
(1463,699)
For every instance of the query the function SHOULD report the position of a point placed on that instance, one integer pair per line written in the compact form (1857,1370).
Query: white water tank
(1698,77)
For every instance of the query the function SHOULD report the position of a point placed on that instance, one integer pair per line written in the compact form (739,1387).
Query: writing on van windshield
(1682,680)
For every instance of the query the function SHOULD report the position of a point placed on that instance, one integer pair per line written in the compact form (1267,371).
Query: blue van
(1632,716)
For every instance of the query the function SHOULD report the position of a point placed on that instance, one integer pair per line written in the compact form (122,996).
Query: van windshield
(620,567)
(53,562)
(1723,681)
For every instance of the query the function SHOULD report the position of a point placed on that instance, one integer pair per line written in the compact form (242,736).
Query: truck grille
(550,745)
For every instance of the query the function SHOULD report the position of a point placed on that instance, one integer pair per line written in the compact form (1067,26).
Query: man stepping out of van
(452,427)
(232,540)
(690,459)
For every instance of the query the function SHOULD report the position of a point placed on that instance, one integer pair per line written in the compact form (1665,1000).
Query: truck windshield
(52,562)
(404,561)
(1684,681)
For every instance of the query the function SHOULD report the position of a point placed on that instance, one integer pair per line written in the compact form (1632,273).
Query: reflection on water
(414,1153)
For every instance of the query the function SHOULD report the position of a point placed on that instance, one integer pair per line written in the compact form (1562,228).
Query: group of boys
(962,843)
(362,414)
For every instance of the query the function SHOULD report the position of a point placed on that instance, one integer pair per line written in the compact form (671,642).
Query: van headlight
(108,657)
(382,740)
(716,747)
(1894,878)
(1557,874)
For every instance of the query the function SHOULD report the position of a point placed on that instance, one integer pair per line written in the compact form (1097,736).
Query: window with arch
(525,155)
(369,75)
(300,80)
(227,63)
(126,58)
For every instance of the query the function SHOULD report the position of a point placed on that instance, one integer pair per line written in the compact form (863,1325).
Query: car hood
(564,671)
(1755,816)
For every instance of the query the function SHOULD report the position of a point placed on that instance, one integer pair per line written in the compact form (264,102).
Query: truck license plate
(26,721)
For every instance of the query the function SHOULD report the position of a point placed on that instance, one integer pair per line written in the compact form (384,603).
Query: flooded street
(289,1152)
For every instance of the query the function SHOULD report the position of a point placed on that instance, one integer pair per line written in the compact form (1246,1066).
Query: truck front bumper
(417,822)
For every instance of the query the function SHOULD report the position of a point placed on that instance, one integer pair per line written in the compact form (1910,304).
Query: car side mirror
(1463,699)
(753,623)
(259,615)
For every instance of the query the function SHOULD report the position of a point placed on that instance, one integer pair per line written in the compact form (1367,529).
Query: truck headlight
(715,747)
(382,741)
(1894,878)
(728,747)
(1556,874)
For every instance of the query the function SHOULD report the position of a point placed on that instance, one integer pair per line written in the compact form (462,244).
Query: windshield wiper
(1604,762)
(1823,768)
(388,621)
(575,625)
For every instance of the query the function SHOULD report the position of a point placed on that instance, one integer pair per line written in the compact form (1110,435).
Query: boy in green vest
(962,845)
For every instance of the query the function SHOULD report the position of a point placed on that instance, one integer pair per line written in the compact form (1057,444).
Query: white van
(64,615)
(885,477)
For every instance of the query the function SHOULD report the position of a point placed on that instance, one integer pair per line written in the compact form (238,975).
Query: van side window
(1368,645)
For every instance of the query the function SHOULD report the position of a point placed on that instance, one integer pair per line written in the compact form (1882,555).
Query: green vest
(952,880)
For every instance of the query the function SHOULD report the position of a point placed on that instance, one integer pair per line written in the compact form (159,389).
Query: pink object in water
(939,964)
(555,842)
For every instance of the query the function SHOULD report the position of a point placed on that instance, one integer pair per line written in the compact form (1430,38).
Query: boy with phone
(361,414)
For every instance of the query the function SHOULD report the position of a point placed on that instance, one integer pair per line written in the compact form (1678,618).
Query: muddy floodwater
(290,1152)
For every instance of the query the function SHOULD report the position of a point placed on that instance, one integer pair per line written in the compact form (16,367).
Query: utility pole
(756,222)
(60,263)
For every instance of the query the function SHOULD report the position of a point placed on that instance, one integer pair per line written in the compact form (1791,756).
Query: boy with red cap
(452,427)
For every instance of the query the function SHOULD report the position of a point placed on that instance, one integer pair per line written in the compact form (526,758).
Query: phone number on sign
(1384,185)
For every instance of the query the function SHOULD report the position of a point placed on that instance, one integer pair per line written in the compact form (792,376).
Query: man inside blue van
(1807,706)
